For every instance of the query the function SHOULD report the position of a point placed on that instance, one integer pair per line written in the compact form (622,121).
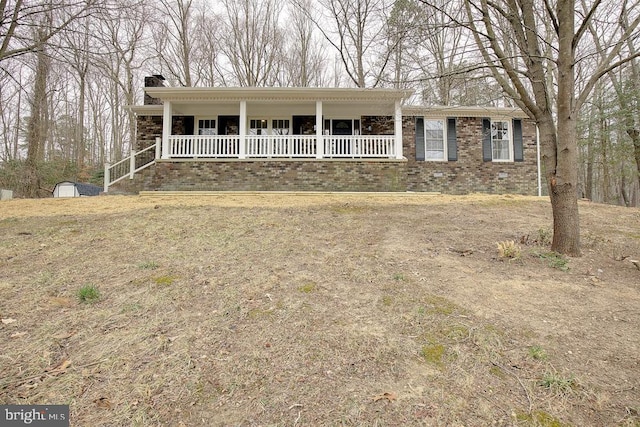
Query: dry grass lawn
(313,310)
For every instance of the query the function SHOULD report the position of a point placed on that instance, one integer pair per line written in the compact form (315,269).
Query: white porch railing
(360,146)
(281,145)
(129,166)
(204,146)
(284,146)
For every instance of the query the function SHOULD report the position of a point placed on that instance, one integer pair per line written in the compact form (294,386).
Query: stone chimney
(156,80)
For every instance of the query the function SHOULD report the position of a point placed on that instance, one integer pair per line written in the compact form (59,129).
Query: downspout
(538,155)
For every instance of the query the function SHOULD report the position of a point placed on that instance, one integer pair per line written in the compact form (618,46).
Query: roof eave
(475,111)
(185,94)
(146,110)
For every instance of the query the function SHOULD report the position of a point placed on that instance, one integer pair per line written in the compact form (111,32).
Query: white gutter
(538,154)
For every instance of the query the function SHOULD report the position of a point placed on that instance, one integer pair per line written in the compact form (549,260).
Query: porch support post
(397,130)
(167,119)
(242,150)
(319,134)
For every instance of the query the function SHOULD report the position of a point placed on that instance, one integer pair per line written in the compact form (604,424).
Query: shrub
(509,249)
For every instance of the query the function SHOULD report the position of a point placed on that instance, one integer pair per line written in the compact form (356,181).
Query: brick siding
(468,174)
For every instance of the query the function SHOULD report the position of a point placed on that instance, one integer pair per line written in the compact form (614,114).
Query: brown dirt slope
(309,310)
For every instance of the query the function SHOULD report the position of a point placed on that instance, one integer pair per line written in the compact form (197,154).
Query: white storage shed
(75,189)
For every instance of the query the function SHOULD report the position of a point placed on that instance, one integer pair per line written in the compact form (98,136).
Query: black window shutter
(420,150)
(518,150)
(452,142)
(486,140)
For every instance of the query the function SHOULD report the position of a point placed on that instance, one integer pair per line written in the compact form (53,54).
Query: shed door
(67,190)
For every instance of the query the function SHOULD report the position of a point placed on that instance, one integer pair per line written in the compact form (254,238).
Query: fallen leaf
(60,368)
(102,402)
(17,335)
(7,321)
(389,395)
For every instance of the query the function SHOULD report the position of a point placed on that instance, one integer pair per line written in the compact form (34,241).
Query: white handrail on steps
(127,166)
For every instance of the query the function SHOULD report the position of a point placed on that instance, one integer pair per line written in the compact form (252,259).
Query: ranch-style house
(323,139)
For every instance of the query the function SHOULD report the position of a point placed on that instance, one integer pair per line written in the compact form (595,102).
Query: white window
(280,127)
(434,140)
(258,127)
(207,127)
(501,141)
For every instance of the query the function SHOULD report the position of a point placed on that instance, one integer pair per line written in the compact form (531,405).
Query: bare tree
(444,58)
(357,30)
(77,56)
(306,54)
(38,120)
(404,25)
(11,98)
(505,26)
(122,36)
(175,32)
(254,44)
(207,47)
(627,90)
(33,29)
(19,20)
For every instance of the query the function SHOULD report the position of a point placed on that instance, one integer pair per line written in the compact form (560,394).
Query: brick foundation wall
(277,175)
(470,174)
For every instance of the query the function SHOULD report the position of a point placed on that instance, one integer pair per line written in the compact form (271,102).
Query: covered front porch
(271,123)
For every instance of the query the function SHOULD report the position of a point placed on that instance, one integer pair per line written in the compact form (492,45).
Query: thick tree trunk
(566,220)
(623,190)
(80,145)
(37,128)
(563,179)
(635,137)
(589,178)
(606,176)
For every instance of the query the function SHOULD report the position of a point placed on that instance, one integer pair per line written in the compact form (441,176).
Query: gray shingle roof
(85,189)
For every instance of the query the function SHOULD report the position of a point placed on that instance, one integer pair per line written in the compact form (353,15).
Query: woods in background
(69,69)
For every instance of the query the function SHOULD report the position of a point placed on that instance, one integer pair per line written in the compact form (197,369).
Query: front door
(342,127)
(304,125)
(228,125)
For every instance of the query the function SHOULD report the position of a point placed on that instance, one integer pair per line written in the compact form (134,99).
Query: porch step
(152,194)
